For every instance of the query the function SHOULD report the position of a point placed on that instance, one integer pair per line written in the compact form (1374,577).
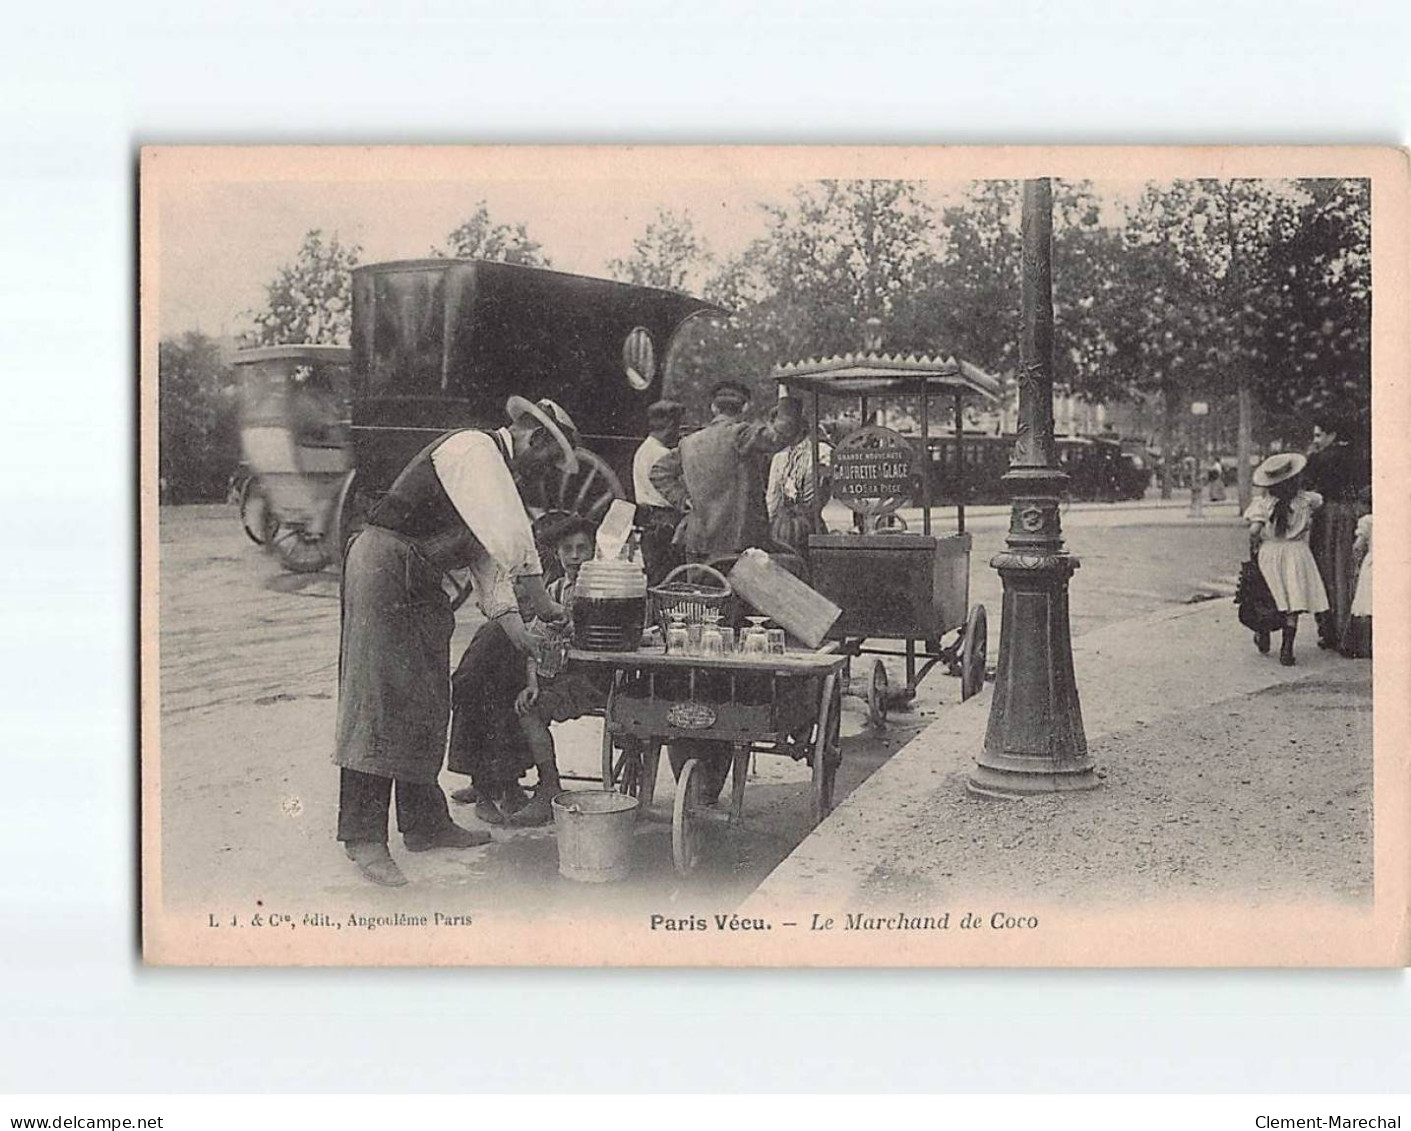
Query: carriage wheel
(298,550)
(349,512)
(827,753)
(256,515)
(973,652)
(687,827)
(877,695)
(587,493)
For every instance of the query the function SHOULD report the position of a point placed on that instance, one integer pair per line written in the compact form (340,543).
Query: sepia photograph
(795,556)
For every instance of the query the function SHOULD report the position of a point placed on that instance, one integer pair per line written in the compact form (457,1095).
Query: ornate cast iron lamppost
(1035,741)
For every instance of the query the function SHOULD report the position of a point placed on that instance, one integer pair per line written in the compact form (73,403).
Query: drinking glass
(727,641)
(693,639)
(777,646)
(676,634)
(711,644)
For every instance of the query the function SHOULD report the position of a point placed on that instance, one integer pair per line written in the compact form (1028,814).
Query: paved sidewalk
(1223,773)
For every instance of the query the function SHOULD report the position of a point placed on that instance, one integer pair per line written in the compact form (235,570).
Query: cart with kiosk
(895,584)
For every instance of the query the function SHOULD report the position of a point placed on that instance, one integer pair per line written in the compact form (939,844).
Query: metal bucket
(594,832)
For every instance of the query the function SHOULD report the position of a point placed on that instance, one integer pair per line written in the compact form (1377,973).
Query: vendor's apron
(394,686)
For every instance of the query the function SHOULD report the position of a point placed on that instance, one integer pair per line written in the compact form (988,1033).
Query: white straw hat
(1279,467)
(552,416)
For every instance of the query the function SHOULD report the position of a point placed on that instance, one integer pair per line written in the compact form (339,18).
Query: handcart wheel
(256,515)
(877,695)
(687,828)
(611,772)
(827,754)
(629,779)
(973,652)
(298,550)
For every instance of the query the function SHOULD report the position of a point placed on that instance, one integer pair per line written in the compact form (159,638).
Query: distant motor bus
(1098,469)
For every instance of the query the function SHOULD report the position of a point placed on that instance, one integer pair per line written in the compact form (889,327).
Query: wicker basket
(694,599)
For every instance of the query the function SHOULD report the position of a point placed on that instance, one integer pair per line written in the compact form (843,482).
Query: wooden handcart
(788,705)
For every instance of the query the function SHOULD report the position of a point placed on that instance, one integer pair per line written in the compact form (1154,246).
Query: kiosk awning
(870,375)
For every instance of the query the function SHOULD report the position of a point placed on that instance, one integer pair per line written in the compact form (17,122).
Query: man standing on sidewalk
(656,517)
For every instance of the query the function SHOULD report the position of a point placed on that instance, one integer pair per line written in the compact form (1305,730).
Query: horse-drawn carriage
(294,436)
(440,344)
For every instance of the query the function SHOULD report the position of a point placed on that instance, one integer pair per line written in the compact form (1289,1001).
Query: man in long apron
(454,506)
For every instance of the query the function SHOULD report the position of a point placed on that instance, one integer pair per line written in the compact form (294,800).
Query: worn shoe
(376,863)
(538,812)
(487,811)
(512,799)
(448,836)
(1261,641)
(466,795)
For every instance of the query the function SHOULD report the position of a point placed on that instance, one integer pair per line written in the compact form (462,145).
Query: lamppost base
(1012,785)
(1034,743)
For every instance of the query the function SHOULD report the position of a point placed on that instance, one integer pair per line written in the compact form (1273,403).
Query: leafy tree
(667,254)
(966,296)
(480,237)
(838,261)
(310,299)
(1316,333)
(198,442)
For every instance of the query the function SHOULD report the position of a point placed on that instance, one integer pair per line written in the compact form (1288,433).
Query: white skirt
(1362,599)
(1293,577)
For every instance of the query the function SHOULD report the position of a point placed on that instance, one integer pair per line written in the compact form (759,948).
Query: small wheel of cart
(877,695)
(827,753)
(687,823)
(623,774)
(973,652)
(298,550)
(256,515)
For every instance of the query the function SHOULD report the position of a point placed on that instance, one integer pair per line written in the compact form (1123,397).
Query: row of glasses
(710,638)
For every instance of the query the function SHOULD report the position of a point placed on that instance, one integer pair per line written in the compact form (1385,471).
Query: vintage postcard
(774,556)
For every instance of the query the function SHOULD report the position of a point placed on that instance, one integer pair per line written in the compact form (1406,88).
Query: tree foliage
(311,299)
(835,268)
(481,237)
(198,443)
(668,254)
(1316,329)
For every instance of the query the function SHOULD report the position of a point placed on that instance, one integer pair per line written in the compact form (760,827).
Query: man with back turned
(717,475)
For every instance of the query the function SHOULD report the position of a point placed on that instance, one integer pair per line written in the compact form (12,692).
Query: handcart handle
(714,574)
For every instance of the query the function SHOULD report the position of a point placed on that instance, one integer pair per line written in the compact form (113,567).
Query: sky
(221,241)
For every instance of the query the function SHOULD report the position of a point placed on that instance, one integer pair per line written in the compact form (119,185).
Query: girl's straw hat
(1277,468)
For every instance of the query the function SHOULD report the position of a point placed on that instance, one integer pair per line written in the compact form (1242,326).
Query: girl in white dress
(1279,522)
